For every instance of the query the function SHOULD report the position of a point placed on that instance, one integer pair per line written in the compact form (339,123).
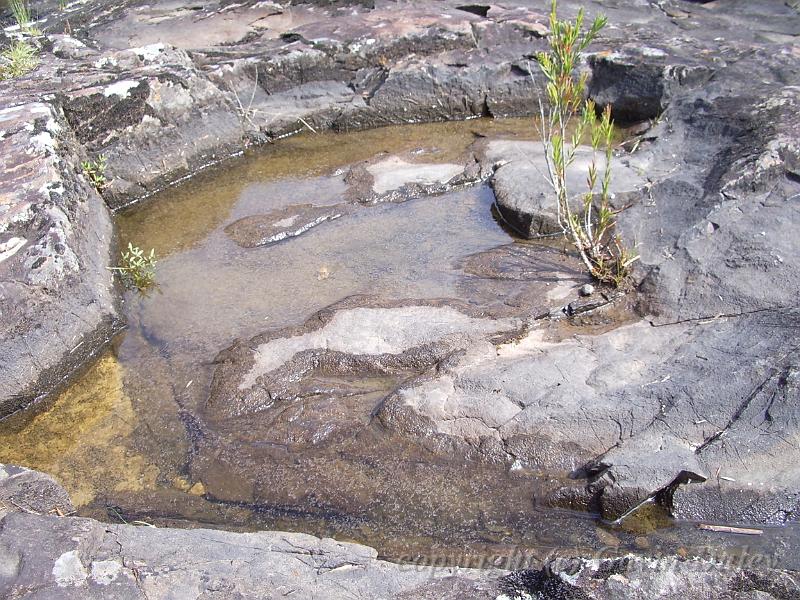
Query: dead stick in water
(303,121)
(648,500)
(726,529)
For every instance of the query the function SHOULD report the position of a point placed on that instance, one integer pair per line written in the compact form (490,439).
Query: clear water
(129,439)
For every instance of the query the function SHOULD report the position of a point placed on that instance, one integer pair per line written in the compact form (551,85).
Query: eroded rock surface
(631,577)
(30,491)
(712,370)
(280,224)
(524,195)
(56,300)
(70,558)
(79,558)
(671,401)
(394,173)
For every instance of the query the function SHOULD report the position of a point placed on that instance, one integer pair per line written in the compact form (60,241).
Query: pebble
(587,289)
(608,539)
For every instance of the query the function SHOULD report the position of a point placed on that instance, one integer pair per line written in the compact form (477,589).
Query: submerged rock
(262,230)
(362,341)
(393,173)
(696,404)
(701,388)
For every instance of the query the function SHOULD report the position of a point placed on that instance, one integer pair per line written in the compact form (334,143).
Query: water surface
(128,440)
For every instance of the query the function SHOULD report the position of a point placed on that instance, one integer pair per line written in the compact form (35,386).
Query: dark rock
(262,230)
(630,577)
(638,82)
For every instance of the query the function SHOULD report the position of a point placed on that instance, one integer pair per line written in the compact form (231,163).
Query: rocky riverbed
(684,391)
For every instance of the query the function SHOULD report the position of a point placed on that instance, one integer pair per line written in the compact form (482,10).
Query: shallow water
(128,440)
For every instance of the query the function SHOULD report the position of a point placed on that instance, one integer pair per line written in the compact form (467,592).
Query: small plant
(17,60)
(21,14)
(137,269)
(95,171)
(563,125)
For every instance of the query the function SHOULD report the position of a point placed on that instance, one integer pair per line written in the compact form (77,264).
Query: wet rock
(25,490)
(56,303)
(393,173)
(714,287)
(398,178)
(163,100)
(343,341)
(677,428)
(531,393)
(709,371)
(322,394)
(262,230)
(523,196)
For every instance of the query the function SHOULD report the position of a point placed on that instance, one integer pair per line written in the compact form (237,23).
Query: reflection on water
(297,170)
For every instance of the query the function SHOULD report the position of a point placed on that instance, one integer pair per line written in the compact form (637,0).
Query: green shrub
(95,171)
(137,269)
(566,121)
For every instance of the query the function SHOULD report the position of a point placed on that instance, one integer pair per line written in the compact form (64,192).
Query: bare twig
(28,510)
(727,529)
(303,121)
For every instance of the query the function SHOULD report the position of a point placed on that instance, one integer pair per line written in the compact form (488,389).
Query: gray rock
(713,371)
(524,197)
(393,173)
(161,111)
(707,370)
(25,490)
(57,308)
(45,557)
(368,338)
(66,558)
